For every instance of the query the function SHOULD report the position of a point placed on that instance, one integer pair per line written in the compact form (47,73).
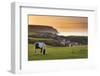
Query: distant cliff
(42,29)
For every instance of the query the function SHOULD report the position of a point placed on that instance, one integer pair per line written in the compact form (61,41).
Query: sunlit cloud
(67,25)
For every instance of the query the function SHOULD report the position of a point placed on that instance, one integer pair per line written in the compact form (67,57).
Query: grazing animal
(41,46)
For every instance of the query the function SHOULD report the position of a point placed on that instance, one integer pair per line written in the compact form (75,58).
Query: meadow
(53,53)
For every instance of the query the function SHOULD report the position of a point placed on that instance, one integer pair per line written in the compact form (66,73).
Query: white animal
(40,45)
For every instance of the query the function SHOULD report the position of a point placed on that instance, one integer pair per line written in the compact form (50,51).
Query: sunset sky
(65,25)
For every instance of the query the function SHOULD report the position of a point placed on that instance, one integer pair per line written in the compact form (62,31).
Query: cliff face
(42,29)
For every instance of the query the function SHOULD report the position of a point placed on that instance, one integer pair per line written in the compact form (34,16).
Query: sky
(65,25)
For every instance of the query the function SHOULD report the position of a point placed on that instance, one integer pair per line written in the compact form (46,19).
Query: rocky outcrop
(42,29)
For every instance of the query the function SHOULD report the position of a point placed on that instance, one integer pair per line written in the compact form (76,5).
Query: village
(50,36)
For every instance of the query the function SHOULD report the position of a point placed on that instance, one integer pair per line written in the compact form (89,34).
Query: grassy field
(42,39)
(58,53)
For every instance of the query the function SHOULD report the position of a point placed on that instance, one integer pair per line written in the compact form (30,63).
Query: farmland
(57,46)
(58,53)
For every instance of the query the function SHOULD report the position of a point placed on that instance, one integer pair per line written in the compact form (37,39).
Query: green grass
(58,53)
(32,33)
(39,38)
